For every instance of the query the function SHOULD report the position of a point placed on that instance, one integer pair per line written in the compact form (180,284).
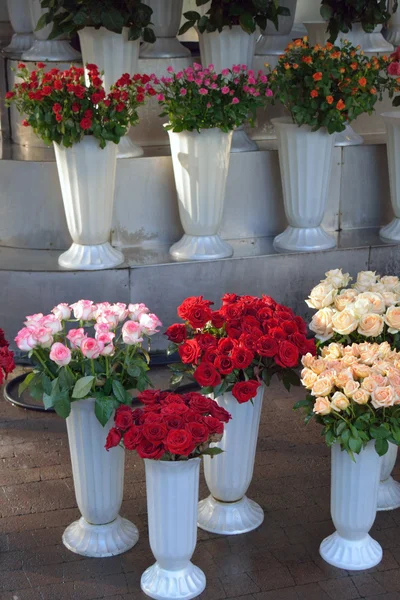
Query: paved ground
(279,561)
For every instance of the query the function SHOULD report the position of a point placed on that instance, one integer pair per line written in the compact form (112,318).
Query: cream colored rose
(318,366)
(368,385)
(371,325)
(384,350)
(361,396)
(394,378)
(396,391)
(378,288)
(365,279)
(345,298)
(321,296)
(350,388)
(390,298)
(339,401)
(343,378)
(368,346)
(321,324)
(369,356)
(375,301)
(333,351)
(344,322)
(308,378)
(360,371)
(349,360)
(322,406)
(337,278)
(322,387)
(330,374)
(390,282)
(382,397)
(392,319)
(307,360)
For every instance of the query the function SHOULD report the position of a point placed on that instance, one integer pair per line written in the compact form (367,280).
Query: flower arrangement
(170,426)
(198,98)
(7,364)
(366,311)
(354,392)
(239,346)
(341,14)
(60,107)
(101,356)
(327,86)
(249,14)
(393,70)
(69,16)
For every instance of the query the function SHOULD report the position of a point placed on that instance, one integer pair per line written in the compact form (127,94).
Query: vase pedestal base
(388,494)
(303,239)
(391,232)
(241,141)
(181,584)
(353,555)
(20,42)
(229,518)
(128,149)
(90,258)
(100,541)
(200,247)
(348,137)
(52,51)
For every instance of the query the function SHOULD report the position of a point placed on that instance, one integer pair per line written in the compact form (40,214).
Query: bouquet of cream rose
(369,309)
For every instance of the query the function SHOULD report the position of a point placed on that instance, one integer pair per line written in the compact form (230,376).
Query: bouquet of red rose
(239,346)
(7,364)
(170,426)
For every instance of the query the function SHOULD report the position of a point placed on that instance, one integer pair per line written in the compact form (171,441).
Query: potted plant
(166,18)
(171,434)
(231,353)
(324,88)
(7,364)
(86,357)
(110,33)
(353,394)
(367,311)
(85,125)
(203,109)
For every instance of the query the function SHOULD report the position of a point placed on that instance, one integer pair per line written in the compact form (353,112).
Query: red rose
(289,327)
(229,298)
(180,441)
(149,397)
(174,421)
(214,425)
(217,319)
(170,397)
(206,340)
(311,347)
(176,333)
(226,345)
(154,432)
(269,324)
(186,306)
(199,403)
(198,315)
(242,357)
(86,123)
(3,341)
(189,352)
(300,341)
(152,417)
(138,416)
(57,108)
(210,355)
(174,408)
(46,90)
(199,431)
(277,333)
(233,329)
(249,341)
(301,325)
(249,323)
(267,346)
(224,364)
(133,437)
(264,313)
(148,450)
(58,85)
(123,417)
(207,375)
(191,416)
(288,355)
(59,118)
(75,107)
(245,390)
(120,107)
(113,438)
(218,412)
(6,359)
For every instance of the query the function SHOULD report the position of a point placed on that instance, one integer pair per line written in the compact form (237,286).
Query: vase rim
(391,114)
(173,463)
(288,123)
(196,133)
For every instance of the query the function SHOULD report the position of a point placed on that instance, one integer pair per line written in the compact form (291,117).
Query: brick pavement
(279,561)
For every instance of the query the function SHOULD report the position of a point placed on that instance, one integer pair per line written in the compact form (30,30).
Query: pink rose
(137,310)
(236,68)
(108,317)
(132,333)
(51,322)
(101,328)
(104,337)
(150,324)
(225,90)
(62,311)
(25,339)
(60,354)
(120,310)
(183,92)
(76,336)
(33,320)
(84,310)
(235,100)
(43,337)
(394,68)
(108,350)
(225,72)
(91,348)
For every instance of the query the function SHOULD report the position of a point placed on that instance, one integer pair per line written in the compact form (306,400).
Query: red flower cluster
(7,364)
(246,334)
(169,426)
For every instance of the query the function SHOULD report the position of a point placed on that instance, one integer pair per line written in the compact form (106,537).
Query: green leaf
(176,379)
(120,393)
(148,35)
(381,446)
(247,22)
(25,383)
(62,404)
(301,403)
(326,12)
(65,378)
(191,15)
(104,407)
(185,27)
(113,20)
(212,451)
(355,444)
(82,387)
(379,432)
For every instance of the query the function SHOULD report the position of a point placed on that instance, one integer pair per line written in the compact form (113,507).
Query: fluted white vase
(114,54)
(392,34)
(166,19)
(43,49)
(273,42)
(354,495)
(172,497)
(391,232)
(227,510)
(87,179)
(99,484)
(389,489)
(348,137)
(305,158)
(20,18)
(201,163)
(225,49)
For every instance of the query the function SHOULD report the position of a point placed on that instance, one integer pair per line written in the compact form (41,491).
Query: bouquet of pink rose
(101,356)
(7,364)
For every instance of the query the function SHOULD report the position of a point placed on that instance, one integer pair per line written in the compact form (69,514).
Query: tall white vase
(274,42)
(389,489)
(20,18)
(87,179)
(44,49)
(391,232)
(99,485)
(354,495)
(392,34)
(305,158)
(114,54)
(201,163)
(223,50)
(166,19)
(172,497)
(227,510)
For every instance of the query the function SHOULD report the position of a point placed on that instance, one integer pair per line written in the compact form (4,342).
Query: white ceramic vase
(99,484)
(305,158)
(172,497)
(371,43)
(166,19)
(201,163)
(391,232)
(274,42)
(43,49)
(389,489)
(392,34)
(223,50)
(114,54)
(227,510)
(20,18)
(87,179)
(317,33)
(348,137)
(354,495)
